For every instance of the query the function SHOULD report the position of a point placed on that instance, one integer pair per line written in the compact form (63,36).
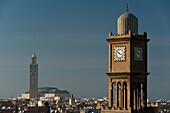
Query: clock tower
(34,78)
(127,71)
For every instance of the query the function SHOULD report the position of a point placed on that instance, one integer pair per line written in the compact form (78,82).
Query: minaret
(34,77)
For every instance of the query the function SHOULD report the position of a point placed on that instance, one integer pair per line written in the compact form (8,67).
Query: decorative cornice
(127,39)
(126,73)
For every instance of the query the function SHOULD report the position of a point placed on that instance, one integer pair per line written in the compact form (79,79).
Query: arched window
(113,94)
(118,94)
(142,86)
(125,95)
(138,95)
(134,95)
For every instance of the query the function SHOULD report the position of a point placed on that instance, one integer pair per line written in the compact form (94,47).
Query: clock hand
(119,53)
(138,53)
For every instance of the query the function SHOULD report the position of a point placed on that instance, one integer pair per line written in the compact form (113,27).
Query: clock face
(119,53)
(138,53)
(33,72)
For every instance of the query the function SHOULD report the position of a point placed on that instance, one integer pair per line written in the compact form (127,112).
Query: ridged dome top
(126,22)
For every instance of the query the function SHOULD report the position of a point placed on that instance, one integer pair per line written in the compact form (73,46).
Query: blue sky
(69,39)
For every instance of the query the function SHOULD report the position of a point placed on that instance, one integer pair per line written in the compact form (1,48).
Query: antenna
(127,9)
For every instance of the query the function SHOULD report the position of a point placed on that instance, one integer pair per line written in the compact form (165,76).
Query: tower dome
(33,55)
(126,22)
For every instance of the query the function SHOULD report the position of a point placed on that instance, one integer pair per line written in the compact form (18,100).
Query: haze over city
(69,40)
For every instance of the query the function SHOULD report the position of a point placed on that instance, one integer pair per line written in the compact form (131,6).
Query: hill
(43,90)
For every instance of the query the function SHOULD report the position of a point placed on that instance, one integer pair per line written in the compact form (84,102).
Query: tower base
(120,110)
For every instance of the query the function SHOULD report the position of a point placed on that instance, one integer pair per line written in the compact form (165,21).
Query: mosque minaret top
(33,55)
(126,22)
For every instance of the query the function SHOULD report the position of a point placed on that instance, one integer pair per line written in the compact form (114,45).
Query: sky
(68,37)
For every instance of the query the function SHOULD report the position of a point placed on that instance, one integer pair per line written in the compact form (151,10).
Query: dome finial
(34,52)
(127,9)
(33,55)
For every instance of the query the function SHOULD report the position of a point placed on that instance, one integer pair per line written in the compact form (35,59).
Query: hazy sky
(69,39)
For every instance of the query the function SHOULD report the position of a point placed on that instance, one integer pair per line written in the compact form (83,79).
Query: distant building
(47,92)
(34,78)
(162,106)
(71,100)
(25,96)
(44,109)
(56,95)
